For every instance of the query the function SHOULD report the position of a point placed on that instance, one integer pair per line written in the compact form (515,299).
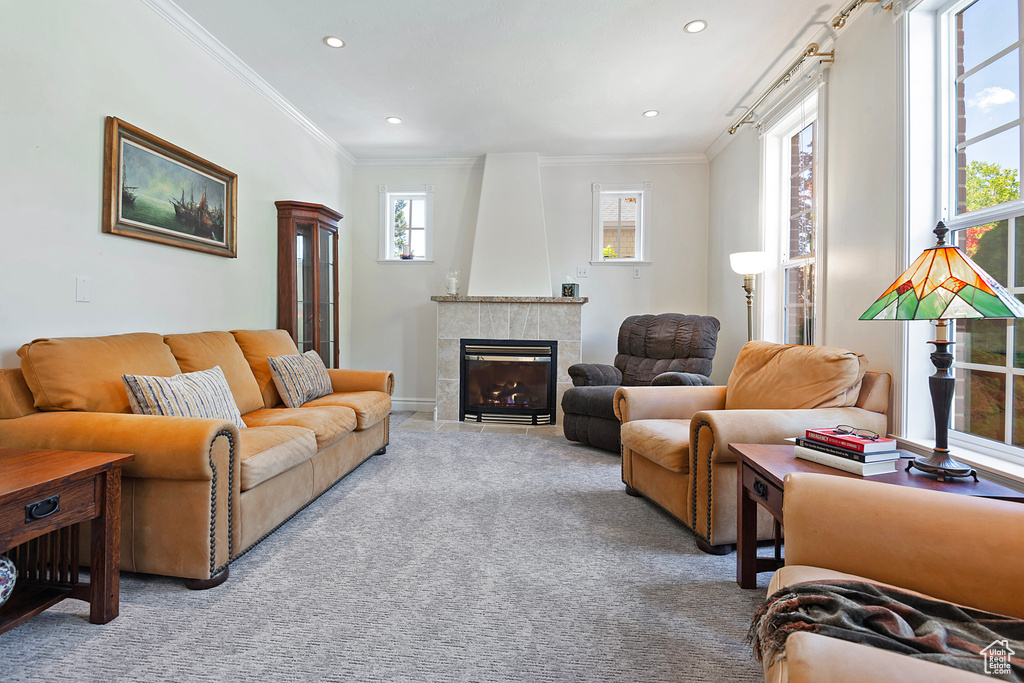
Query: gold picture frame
(159,192)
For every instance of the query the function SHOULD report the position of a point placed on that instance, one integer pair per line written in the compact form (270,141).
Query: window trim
(384,231)
(597,257)
(794,112)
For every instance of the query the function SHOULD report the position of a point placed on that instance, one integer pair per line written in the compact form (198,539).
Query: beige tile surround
(559,319)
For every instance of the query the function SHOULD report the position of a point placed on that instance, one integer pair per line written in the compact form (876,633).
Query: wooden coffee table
(44,495)
(761,470)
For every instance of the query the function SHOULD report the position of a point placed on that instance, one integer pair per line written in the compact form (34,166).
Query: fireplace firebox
(509,381)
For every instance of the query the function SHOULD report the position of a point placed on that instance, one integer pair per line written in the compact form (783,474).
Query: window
(406,224)
(982,82)
(621,214)
(791,222)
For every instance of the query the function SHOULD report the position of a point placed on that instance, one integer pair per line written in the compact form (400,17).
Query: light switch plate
(582,271)
(82,293)
(636,272)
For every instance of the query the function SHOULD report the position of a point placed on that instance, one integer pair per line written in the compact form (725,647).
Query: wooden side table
(44,495)
(761,470)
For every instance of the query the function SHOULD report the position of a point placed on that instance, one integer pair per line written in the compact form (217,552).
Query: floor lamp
(749,264)
(943,284)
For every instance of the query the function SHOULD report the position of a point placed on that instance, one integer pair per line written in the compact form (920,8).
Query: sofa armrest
(594,375)
(362,380)
(959,548)
(713,465)
(811,657)
(164,447)
(666,403)
(681,379)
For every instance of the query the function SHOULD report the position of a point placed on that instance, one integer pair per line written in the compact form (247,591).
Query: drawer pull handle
(42,508)
(761,489)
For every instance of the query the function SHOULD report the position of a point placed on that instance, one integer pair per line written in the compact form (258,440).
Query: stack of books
(847,452)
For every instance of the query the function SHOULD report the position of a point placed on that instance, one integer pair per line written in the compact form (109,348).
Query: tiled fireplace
(502,318)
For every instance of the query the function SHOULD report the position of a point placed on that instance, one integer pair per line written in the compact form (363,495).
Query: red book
(853,443)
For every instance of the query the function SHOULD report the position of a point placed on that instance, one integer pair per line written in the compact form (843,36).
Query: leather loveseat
(675,440)
(950,547)
(200,492)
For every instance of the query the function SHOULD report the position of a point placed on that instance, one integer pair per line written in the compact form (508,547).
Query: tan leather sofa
(675,440)
(200,492)
(960,549)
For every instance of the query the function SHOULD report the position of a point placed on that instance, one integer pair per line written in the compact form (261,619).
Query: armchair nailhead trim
(696,450)
(214,570)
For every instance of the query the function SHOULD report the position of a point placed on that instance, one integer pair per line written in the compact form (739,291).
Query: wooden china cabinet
(307,276)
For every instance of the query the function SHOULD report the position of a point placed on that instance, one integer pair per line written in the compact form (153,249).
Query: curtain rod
(810,52)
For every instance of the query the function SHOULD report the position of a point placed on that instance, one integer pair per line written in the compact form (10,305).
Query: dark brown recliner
(665,349)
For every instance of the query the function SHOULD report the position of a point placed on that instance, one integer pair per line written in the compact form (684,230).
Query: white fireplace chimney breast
(510,249)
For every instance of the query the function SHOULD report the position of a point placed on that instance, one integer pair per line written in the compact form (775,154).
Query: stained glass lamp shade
(943,284)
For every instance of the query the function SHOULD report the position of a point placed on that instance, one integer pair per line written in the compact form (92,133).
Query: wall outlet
(636,272)
(82,290)
(582,271)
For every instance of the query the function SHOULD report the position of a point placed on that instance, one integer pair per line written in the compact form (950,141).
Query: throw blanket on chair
(894,620)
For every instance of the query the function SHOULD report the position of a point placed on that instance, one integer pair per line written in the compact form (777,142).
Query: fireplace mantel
(513,299)
(504,317)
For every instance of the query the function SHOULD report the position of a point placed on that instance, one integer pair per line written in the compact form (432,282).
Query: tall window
(792,174)
(621,217)
(798,256)
(983,82)
(406,223)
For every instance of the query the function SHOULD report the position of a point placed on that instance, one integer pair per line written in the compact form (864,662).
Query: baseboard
(417,405)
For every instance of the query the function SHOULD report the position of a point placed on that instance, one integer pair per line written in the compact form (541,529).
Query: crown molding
(182,21)
(440,162)
(596,160)
(626,159)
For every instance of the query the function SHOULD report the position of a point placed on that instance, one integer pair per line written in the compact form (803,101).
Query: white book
(864,469)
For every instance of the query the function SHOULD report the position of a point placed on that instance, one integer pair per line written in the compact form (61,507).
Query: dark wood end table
(761,470)
(44,495)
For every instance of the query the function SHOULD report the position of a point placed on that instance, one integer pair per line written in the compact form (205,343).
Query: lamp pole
(748,287)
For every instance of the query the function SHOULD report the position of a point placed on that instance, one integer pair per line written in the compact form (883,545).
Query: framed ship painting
(156,191)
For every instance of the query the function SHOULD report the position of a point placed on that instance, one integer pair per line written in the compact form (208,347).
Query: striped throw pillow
(191,394)
(300,378)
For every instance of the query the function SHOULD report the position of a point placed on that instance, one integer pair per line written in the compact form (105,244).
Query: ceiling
(556,77)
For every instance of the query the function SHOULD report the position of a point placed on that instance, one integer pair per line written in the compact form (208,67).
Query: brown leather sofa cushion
(203,350)
(665,442)
(15,396)
(258,345)
(84,373)
(269,451)
(782,376)
(328,423)
(370,406)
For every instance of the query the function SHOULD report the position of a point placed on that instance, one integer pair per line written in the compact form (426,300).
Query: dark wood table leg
(106,549)
(746,534)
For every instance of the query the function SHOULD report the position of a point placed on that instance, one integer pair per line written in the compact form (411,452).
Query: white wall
(66,66)
(732,226)
(395,322)
(862,216)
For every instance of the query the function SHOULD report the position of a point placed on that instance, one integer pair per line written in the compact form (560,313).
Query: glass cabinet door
(305,304)
(326,299)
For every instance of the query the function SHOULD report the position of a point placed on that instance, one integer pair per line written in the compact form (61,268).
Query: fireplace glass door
(510,381)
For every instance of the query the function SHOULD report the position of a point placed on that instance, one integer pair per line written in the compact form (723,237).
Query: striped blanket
(894,620)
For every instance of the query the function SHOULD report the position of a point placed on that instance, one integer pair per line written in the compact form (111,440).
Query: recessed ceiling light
(651,113)
(393,119)
(696,26)
(334,42)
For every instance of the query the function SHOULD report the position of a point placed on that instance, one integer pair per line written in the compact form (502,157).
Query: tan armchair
(675,440)
(957,548)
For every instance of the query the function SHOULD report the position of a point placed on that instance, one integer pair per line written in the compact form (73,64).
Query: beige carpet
(454,557)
